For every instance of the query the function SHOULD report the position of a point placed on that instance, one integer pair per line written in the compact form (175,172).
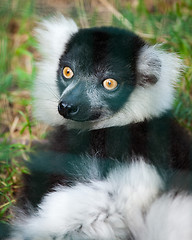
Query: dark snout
(75,104)
(78,113)
(67,110)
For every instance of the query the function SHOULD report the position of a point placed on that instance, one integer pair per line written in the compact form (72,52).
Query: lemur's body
(115,147)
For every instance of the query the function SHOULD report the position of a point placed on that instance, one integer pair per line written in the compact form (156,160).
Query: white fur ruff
(144,103)
(126,205)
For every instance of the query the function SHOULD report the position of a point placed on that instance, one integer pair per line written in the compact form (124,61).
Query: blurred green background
(167,21)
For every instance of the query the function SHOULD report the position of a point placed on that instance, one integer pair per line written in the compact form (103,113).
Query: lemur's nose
(67,110)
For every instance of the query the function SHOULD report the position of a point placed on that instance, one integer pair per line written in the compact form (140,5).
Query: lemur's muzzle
(76,113)
(67,110)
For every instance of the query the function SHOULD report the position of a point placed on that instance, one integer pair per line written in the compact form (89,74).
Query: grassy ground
(161,22)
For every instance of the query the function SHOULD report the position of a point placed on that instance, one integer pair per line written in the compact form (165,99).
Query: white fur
(52,35)
(128,203)
(170,218)
(108,209)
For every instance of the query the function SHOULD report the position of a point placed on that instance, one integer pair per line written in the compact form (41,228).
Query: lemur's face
(97,73)
(100,77)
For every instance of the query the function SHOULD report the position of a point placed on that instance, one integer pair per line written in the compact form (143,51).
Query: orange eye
(67,73)
(110,84)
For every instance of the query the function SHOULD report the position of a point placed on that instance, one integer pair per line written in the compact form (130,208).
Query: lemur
(117,164)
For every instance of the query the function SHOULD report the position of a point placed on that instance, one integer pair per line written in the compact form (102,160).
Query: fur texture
(108,209)
(127,204)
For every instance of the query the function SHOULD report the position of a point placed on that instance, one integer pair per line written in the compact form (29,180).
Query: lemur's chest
(160,141)
(149,139)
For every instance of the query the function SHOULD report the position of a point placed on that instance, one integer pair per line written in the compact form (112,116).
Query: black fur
(161,141)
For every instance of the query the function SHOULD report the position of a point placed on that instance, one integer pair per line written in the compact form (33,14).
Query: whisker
(50,90)
(50,100)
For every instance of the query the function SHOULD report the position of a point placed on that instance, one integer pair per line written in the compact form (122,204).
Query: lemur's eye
(110,84)
(67,72)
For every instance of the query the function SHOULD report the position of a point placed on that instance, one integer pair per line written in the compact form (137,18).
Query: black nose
(67,110)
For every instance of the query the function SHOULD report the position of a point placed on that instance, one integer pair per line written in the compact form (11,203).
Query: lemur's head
(100,77)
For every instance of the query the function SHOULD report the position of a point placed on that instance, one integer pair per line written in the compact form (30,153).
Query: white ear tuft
(148,67)
(53,34)
(152,99)
(155,64)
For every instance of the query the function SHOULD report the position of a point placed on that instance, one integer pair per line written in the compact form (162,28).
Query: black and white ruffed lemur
(117,165)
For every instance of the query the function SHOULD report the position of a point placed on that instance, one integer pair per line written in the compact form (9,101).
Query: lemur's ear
(154,65)
(52,35)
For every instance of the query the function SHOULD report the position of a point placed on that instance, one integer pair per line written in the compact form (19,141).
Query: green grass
(172,26)
(12,166)
(17,72)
